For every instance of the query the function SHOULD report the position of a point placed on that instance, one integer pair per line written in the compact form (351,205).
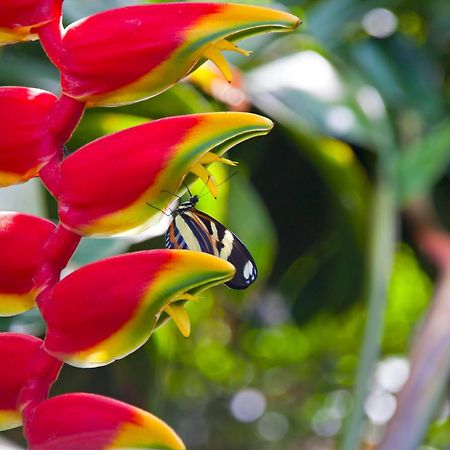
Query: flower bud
(22,239)
(26,143)
(108,309)
(26,376)
(129,54)
(118,183)
(19,19)
(87,421)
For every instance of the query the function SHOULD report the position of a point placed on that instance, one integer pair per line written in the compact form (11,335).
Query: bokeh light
(273,426)
(380,407)
(391,374)
(380,22)
(248,405)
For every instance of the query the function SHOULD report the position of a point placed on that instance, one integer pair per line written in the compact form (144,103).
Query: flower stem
(46,369)
(57,251)
(62,121)
(64,117)
(50,36)
(383,236)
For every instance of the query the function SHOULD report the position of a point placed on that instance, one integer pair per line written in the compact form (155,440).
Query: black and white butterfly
(192,229)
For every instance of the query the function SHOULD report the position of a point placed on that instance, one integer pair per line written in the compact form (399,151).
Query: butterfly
(192,229)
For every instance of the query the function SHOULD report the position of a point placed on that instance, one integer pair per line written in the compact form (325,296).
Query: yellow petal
(210,157)
(225,45)
(180,316)
(198,170)
(213,53)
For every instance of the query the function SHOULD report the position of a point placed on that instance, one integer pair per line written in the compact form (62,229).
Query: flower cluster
(107,309)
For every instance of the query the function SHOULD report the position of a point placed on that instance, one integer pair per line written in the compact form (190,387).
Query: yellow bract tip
(198,170)
(180,316)
(213,54)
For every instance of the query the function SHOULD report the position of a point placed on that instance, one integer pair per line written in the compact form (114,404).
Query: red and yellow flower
(26,376)
(107,309)
(129,54)
(87,421)
(22,239)
(19,19)
(26,143)
(71,421)
(106,187)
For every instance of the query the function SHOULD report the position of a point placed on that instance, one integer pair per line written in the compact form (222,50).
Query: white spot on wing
(248,270)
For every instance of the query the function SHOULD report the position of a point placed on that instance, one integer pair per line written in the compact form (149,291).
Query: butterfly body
(192,229)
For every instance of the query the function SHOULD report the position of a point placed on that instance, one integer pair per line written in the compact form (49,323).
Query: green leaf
(422,164)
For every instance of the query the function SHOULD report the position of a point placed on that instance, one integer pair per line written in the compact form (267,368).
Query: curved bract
(109,308)
(26,375)
(26,143)
(19,19)
(149,48)
(86,421)
(22,239)
(107,185)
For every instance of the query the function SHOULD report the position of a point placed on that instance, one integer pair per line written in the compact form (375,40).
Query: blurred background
(273,367)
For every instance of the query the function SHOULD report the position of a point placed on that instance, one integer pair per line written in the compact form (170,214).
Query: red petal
(22,237)
(126,42)
(92,422)
(26,143)
(21,13)
(127,163)
(27,372)
(92,303)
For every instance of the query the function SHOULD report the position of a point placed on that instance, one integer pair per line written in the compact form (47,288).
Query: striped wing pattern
(194,230)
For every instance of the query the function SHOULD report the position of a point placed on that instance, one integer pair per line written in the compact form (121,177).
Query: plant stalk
(382,243)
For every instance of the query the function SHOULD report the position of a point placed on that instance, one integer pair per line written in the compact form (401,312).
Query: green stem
(383,237)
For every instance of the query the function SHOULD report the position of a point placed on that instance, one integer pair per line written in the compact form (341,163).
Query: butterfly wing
(173,238)
(194,230)
(187,232)
(229,247)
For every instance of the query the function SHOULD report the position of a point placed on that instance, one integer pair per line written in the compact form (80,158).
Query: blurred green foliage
(340,97)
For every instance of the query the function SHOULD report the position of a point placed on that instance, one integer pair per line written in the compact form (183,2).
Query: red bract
(107,309)
(26,143)
(105,187)
(92,422)
(22,239)
(26,374)
(128,54)
(20,18)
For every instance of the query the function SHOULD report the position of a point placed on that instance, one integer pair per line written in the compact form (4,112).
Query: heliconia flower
(22,239)
(26,376)
(128,54)
(25,144)
(93,422)
(107,309)
(19,19)
(106,187)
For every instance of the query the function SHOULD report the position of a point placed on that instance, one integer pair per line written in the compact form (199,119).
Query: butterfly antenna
(171,193)
(187,187)
(203,188)
(159,209)
(220,184)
